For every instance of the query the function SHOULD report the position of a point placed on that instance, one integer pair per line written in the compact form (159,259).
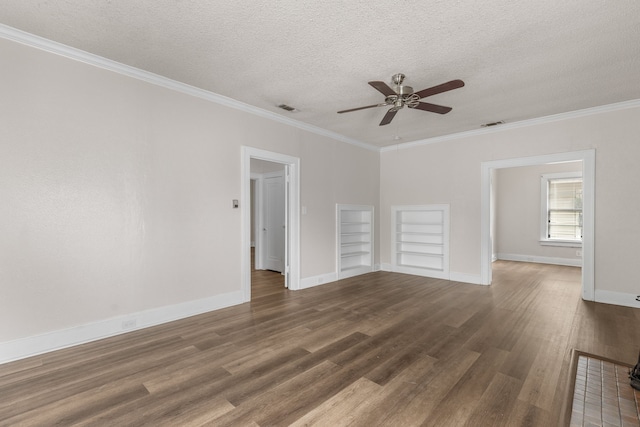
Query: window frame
(544,210)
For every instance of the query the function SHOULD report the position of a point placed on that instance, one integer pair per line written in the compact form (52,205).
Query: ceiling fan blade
(362,108)
(383,88)
(425,106)
(453,84)
(389,116)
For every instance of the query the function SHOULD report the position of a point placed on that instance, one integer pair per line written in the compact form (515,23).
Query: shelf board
(352,254)
(419,233)
(354,243)
(418,223)
(419,253)
(420,243)
(420,267)
(356,267)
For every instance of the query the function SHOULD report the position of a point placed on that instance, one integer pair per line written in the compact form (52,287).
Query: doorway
(287,168)
(587,157)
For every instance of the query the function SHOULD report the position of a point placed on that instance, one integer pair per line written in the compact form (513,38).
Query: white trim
(588,158)
(256,205)
(617,298)
(13,34)
(293,243)
(321,279)
(50,46)
(473,279)
(424,272)
(634,103)
(561,243)
(570,262)
(56,340)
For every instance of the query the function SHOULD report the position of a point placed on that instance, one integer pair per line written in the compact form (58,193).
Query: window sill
(562,243)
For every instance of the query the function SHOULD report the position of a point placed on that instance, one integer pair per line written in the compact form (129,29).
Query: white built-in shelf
(420,240)
(355,240)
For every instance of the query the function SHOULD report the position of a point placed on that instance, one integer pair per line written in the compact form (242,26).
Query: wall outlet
(129,324)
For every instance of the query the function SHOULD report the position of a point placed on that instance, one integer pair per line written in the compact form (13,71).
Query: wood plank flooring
(382,349)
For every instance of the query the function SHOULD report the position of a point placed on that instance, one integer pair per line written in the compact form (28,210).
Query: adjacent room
(319,213)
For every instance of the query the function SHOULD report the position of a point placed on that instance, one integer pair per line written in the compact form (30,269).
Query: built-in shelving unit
(355,240)
(420,240)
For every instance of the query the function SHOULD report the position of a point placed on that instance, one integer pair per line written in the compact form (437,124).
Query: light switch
(235,204)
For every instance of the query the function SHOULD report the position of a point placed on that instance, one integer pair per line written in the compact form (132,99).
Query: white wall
(116,198)
(449,172)
(517,193)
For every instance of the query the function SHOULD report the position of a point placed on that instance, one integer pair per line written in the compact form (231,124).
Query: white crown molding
(50,46)
(634,103)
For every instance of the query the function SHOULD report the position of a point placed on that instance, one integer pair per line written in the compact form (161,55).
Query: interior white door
(275,222)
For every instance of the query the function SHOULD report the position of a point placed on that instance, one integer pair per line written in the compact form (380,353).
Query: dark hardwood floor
(382,349)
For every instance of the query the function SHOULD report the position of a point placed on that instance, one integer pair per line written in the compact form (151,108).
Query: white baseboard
(321,279)
(453,276)
(571,262)
(617,298)
(56,340)
(474,279)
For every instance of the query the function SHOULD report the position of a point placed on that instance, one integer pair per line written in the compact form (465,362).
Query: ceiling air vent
(286,107)
(488,125)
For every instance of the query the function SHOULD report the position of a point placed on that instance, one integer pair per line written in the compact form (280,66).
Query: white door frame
(588,210)
(256,206)
(292,251)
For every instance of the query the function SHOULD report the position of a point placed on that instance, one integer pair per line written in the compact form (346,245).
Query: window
(561,214)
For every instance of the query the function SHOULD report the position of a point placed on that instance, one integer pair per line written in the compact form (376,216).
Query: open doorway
(536,218)
(536,214)
(268,212)
(268,227)
(587,159)
(275,234)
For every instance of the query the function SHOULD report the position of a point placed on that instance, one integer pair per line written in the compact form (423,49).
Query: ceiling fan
(400,96)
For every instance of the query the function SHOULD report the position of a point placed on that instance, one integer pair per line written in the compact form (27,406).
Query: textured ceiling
(518,59)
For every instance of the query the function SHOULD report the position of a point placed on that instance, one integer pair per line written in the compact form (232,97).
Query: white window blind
(564,209)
